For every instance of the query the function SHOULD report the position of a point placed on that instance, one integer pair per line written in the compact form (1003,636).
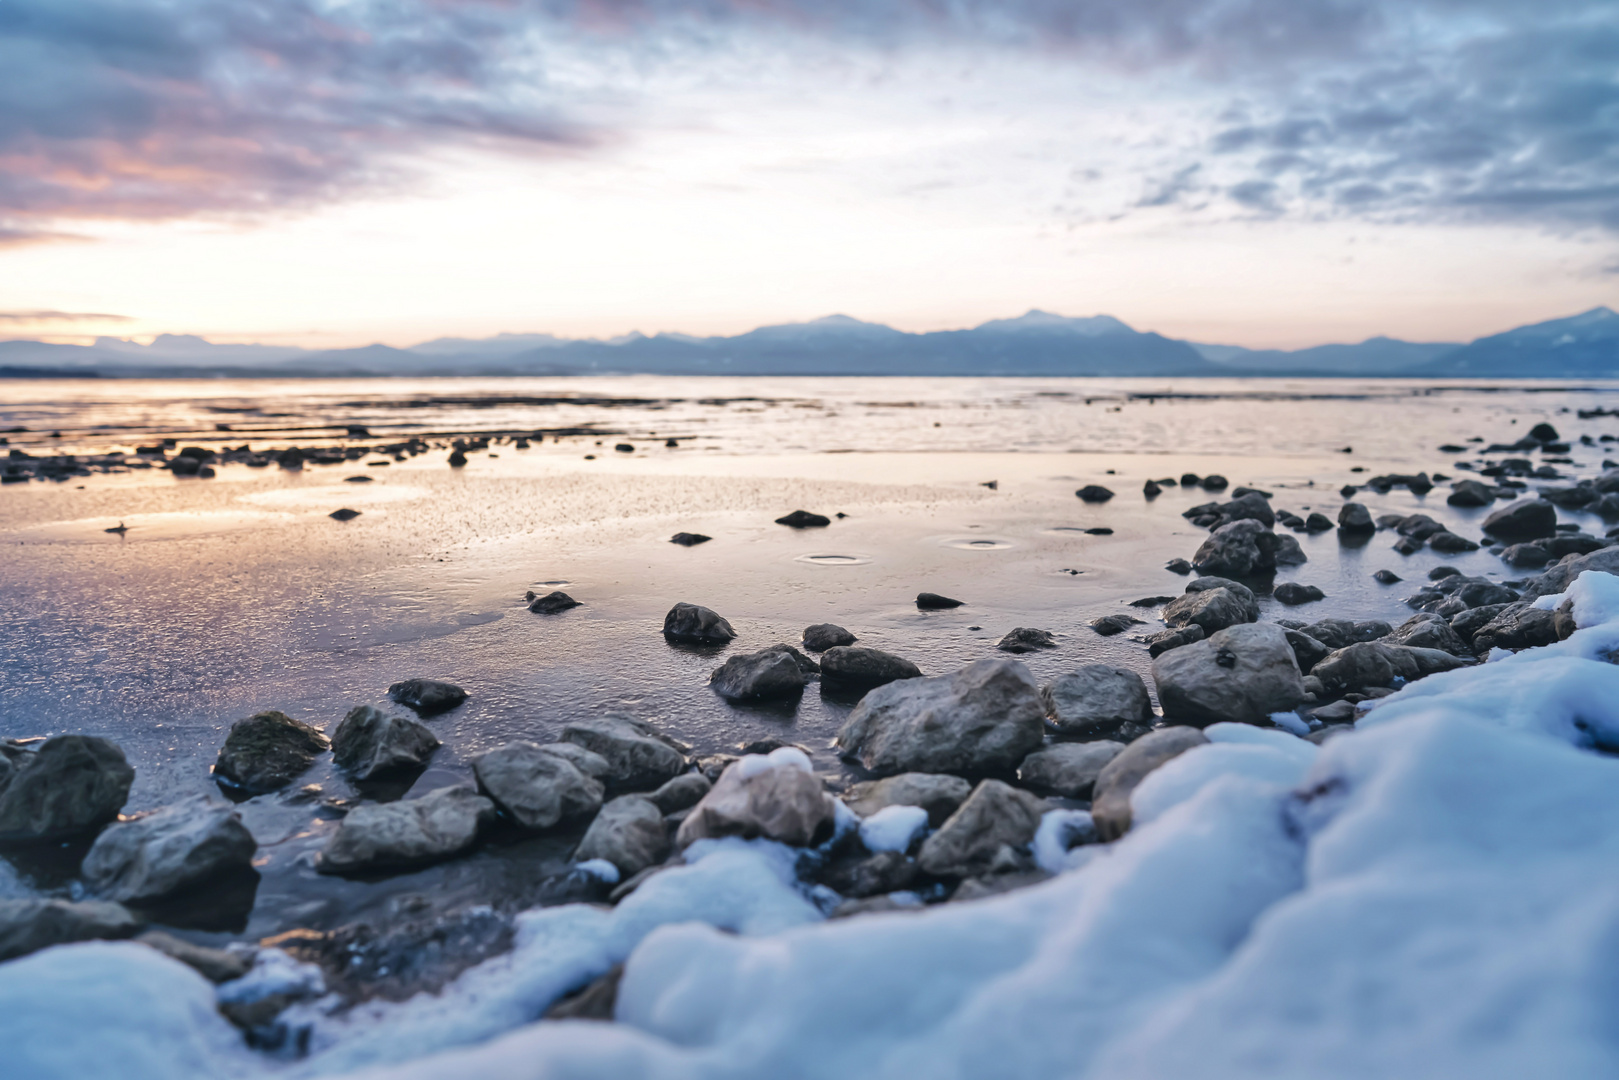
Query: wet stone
(267,751)
(1094,493)
(70,786)
(803,519)
(553,602)
(687,539)
(1108,625)
(824,636)
(428,697)
(1025,639)
(934,602)
(696,625)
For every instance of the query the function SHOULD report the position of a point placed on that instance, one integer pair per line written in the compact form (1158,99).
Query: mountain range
(1037,343)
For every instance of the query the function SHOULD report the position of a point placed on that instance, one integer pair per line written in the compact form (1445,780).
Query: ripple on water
(834,560)
(977,543)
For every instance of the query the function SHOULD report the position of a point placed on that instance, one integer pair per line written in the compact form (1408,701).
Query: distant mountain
(1374,356)
(500,346)
(1584,346)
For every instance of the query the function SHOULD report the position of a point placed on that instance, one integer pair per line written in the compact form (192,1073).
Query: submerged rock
(1070,769)
(857,666)
(989,830)
(874,875)
(369,744)
(428,697)
(776,796)
(1094,493)
(1108,625)
(639,756)
(698,625)
(1526,519)
(1110,801)
(552,603)
(934,602)
(267,751)
(344,514)
(937,793)
(1213,609)
(70,786)
(536,788)
(629,833)
(1243,673)
(686,539)
(1470,493)
(405,834)
(27,926)
(156,855)
(803,519)
(780,671)
(1293,594)
(983,719)
(1096,700)
(1025,639)
(1353,518)
(824,636)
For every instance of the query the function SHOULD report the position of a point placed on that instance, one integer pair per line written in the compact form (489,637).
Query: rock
(1355,518)
(1152,601)
(458,458)
(1289,553)
(1096,700)
(1339,712)
(267,751)
(536,789)
(686,539)
(1317,522)
(1214,482)
(691,623)
(629,833)
(1428,631)
(1162,642)
(1308,651)
(1526,556)
(1526,519)
(1094,493)
(711,766)
(70,786)
(1374,663)
(428,697)
(1563,622)
(874,875)
(588,762)
(681,793)
(983,719)
(215,965)
(775,796)
(1212,609)
(409,833)
(1178,566)
(156,855)
(1293,594)
(857,666)
(993,817)
(1069,769)
(1517,626)
(1247,507)
(1470,493)
(1025,639)
(1243,673)
(1110,799)
(1108,625)
(769,673)
(639,756)
(1562,574)
(595,1001)
(1448,543)
(936,793)
(27,926)
(1565,543)
(1151,490)
(553,602)
(1408,545)
(369,743)
(1387,577)
(934,602)
(986,885)
(803,519)
(1470,622)
(344,514)
(1543,432)
(824,636)
(1240,549)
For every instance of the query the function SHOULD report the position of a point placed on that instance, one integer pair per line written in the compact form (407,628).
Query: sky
(1270,173)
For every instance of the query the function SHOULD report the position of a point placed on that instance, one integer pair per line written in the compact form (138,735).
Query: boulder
(1470,621)
(1108,625)
(770,673)
(629,833)
(1562,574)
(535,788)
(1470,493)
(1353,518)
(681,793)
(1426,630)
(1526,519)
(1212,609)
(27,926)
(1526,556)
(936,793)
(1096,700)
(1025,639)
(405,834)
(1517,626)
(1565,543)
(803,519)
(428,697)
(154,856)
(70,786)
(1293,594)
(696,625)
(1307,650)
(370,743)
(1110,798)
(1289,553)
(1448,543)
(1374,663)
(995,816)
(1243,673)
(1069,769)
(1163,641)
(639,756)
(1250,506)
(983,719)
(552,603)
(1094,493)
(823,636)
(1240,549)
(776,796)
(267,751)
(857,666)
(932,601)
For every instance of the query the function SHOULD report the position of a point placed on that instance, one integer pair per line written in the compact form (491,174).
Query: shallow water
(238,593)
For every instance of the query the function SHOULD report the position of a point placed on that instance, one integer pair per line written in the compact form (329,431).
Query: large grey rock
(1212,609)
(428,697)
(1069,769)
(1243,673)
(763,796)
(994,817)
(698,625)
(824,636)
(27,926)
(1250,506)
(639,756)
(1526,519)
(983,719)
(1426,630)
(681,793)
(536,788)
(1354,518)
(1240,549)
(371,743)
(856,666)
(157,855)
(1110,799)
(1517,626)
(267,751)
(1560,576)
(1374,663)
(1470,493)
(629,833)
(70,786)
(1337,633)
(936,793)
(770,673)
(588,762)
(409,833)
(1096,700)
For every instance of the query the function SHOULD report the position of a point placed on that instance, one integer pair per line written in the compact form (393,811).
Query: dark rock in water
(1428,631)
(1573,544)
(1348,491)
(1517,626)
(803,519)
(1527,556)
(1339,712)
(1108,625)
(1249,507)
(1243,673)
(1178,566)
(154,856)
(1293,594)
(70,786)
(1094,493)
(535,786)
(639,756)
(1440,572)
(1308,651)
(344,514)
(553,602)
(369,744)
(428,697)
(1468,623)
(1408,545)
(769,673)
(1151,490)
(629,833)
(1543,433)
(934,602)
(457,459)
(1317,522)
(1562,574)
(1526,519)
(1068,768)
(994,817)
(1162,642)
(884,872)
(356,479)
(1449,543)
(1096,701)
(1190,479)
(784,803)
(1212,609)
(1374,663)
(625,448)
(27,926)
(824,636)
(1025,639)
(406,834)
(1110,804)
(597,1001)
(691,623)
(983,719)
(1214,482)
(1470,493)
(1100,530)
(267,751)
(862,667)
(1387,577)
(936,793)
(1355,518)
(1420,526)
(681,793)
(1240,549)
(1151,601)
(686,539)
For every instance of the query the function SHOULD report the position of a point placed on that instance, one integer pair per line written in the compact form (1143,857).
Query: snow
(783,757)
(1432,895)
(600,869)
(1058,842)
(893,828)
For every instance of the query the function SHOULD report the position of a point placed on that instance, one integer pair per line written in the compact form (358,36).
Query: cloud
(32,317)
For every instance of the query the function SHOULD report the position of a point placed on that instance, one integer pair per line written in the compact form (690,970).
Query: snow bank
(893,828)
